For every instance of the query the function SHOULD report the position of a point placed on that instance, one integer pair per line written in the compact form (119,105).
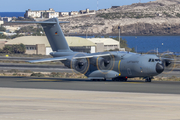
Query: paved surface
(38,104)
(87,85)
(34,67)
(62,68)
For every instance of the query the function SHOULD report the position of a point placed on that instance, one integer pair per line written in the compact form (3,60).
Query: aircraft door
(129,71)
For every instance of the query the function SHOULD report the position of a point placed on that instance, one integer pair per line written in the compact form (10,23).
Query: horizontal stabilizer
(48,60)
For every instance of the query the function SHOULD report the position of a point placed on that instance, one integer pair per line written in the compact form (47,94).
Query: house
(41,13)
(52,14)
(73,13)
(62,14)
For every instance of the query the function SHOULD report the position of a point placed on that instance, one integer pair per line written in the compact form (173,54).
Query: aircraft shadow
(44,79)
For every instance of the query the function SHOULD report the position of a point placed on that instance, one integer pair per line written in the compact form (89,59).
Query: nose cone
(159,68)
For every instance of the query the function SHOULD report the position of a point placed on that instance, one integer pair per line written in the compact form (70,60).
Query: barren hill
(160,17)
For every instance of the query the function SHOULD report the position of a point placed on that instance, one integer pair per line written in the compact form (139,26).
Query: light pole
(86,32)
(119,37)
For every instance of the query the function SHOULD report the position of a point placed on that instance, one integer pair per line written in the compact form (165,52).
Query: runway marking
(134,82)
(128,82)
(46,80)
(18,118)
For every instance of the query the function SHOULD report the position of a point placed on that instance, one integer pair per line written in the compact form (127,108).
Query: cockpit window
(154,60)
(157,60)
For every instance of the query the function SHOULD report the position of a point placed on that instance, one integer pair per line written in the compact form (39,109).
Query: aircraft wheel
(115,79)
(95,79)
(125,79)
(148,79)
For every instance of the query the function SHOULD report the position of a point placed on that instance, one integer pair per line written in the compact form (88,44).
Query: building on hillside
(105,44)
(33,14)
(73,13)
(41,13)
(52,14)
(86,11)
(112,7)
(1,22)
(40,44)
(6,19)
(63,14)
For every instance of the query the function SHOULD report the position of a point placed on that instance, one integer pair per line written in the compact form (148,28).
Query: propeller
(80,65)
(105,63)
(169,62)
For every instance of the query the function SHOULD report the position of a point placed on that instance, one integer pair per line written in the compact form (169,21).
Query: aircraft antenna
(97,5)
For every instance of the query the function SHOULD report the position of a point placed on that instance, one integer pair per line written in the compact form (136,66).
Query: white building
(105,44)
(6,19)
(33,14)
(73,13)
(64,14)
(53,14)
(40,13)
(40,44)
(1,22)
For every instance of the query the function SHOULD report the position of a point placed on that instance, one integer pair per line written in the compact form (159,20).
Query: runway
(87,85)
(29,98)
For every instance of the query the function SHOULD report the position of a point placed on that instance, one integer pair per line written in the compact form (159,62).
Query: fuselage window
(149,60)
(152,60)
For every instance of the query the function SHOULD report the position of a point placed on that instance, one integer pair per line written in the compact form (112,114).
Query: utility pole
(139,1)
(86,32)
(119,37)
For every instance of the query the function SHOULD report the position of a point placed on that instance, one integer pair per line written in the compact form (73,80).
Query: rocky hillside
(160,17)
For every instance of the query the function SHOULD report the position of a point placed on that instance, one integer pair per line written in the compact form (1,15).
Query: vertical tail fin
(54,34)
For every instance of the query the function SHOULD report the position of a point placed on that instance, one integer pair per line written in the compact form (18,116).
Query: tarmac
(46,104)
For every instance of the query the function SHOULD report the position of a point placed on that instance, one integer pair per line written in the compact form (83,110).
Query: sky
(61,5)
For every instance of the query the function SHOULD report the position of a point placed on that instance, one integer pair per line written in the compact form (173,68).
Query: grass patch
(37,75)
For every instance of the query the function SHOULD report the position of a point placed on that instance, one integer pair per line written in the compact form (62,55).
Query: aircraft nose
(159,68)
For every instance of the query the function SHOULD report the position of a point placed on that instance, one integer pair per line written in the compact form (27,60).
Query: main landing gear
(98,79)
(148,79)
(119,79)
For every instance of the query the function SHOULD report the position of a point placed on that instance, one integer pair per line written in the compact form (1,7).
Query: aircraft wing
(65,58)
(48,59)
(91,56)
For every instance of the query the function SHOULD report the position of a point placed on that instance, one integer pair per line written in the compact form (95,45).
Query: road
(87,85)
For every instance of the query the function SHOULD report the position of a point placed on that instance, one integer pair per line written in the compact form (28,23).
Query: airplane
(115,65)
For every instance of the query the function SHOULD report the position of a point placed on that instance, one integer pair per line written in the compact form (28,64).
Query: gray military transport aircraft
(116,65)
